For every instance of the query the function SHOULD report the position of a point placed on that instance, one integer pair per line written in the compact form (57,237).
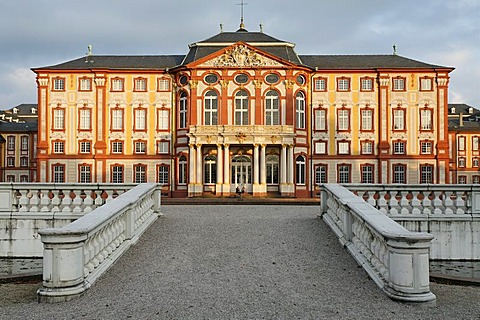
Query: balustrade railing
(77,254)
(395,258)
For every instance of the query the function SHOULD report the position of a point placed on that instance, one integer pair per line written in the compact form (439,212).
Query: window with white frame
(426,84)
(462,179)
(366,147)
(58,147)
(426,147)
(10,178)
(117,84)
(58,119)
(140,84)
(399,173)
(117,119)
(399,147)
(140,174)
(163,119)
(58,172)
(241,108)
(366,84)
(461,143)
(117,147)
(475,143)
(59,84)
(320,174)
(272,163)
(343,147)
(461,162)
(367,119)
(475,162)
(117,174)
(343,173)
(162,147)
(24,143)
(367,173)
(475,179)
(300,110)
(182,170)
(210,169)
(162,175)
(300,166)
(182,111)
(272,111)
(85,84)
(23,161)
(10,161)
(140,147)
(398,84)
(85,174)
(426,119)
(85,147)
(23,178)
(399,119)
(163,84)
(343,84)
(321,147)
(320,84)
(140,119)
(11,143)
(320,119)
(85,119)
(343,119)
(211,108)
(426,174)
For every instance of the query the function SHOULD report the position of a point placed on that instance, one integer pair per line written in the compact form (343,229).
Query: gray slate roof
(471,121)
(18,127)
(245,36)
(335,62)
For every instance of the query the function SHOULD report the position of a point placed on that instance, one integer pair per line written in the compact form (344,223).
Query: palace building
(243,109)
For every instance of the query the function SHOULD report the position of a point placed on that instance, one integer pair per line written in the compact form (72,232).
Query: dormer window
(33,110)
(15,110)
(452,110)
(470,110)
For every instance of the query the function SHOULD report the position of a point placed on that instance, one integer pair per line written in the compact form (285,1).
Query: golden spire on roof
(242,25)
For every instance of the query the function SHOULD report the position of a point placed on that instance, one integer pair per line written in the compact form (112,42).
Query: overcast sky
(37,33)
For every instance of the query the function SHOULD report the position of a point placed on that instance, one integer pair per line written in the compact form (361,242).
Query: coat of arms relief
(241,56)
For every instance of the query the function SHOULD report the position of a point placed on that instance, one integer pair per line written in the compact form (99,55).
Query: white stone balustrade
(77,254)
(395,258)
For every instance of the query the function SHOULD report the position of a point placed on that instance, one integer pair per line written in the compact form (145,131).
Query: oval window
(183,80)
(301,79)
(272,78)
(241,78)
(211,78)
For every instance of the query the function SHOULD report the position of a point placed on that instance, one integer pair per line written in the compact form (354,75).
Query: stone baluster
(438,203)
(405,206)
(459,203)
(24,201)
(426,204)
(448,202)
(382,202)
(34,202)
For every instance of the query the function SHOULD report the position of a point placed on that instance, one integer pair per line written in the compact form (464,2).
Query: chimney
(461,119)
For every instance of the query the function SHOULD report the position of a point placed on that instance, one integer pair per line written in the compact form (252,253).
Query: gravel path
(237,262)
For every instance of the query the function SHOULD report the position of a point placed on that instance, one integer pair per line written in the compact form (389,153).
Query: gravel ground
(237,262)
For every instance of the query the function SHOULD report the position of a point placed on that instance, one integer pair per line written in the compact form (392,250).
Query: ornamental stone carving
(241,56)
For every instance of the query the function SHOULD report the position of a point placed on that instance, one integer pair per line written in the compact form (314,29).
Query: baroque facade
(243,110)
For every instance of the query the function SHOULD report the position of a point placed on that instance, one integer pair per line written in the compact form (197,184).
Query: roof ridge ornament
(242,25)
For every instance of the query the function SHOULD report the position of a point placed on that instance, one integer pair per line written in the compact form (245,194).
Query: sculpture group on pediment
(241,56)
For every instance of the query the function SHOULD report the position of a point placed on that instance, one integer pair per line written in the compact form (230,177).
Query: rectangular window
(85,84)
(85,119)
(11,143)
(461,143)
(58,147)
(366,84)
(10,161)
(58,119)
(320,84)
(117,147)
(367,119)
(58,173)
(461,162)
(462,179)
(399,173)
(140,174)
(140,147)
(182,170)
(426,119)
(399,84)
(117,84)
(399,147)
(85,174)
(23,161)
(475,143)
(367,174)
(59,84)
(163,84)
(399,119)
(140,119)
(117,174)
(321,120)
(24,143)
(23,178)
(475,162)
(426,174)
(321,147)
(140,84)
(343,120)
(163,175)
(426,84)
(117,119)
(162,147)
(343,173)
(85,147)
(426,147)
(476,179)
(320,174)
(344,147)
(10,178)
(343,84)
(163,119)
(366,147)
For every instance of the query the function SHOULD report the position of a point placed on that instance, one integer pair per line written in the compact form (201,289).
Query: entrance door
(242,173)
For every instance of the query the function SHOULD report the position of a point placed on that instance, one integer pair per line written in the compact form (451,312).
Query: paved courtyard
(237,262)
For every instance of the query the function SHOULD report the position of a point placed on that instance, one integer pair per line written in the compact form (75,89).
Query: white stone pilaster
(283,165)
(256,164)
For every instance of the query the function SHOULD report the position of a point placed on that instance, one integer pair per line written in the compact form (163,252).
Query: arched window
(272,169)
(183,110)
(241,108)
(300,170)
(271,108)
(210,169)
(211,108)
(182,170)
(300,110)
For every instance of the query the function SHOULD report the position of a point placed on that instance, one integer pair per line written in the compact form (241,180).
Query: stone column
(191,163)
(226,165)
(256,164)
(219,167)
(199,164)
(263,165)
(291,164)
(283,165)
